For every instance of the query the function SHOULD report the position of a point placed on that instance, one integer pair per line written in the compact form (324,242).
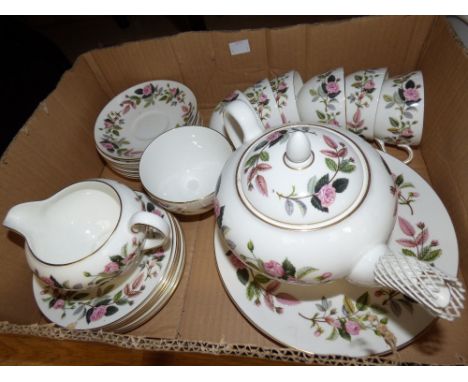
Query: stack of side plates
(132,119)
(127,301)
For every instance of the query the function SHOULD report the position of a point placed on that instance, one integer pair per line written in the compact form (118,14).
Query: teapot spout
(22,218)
(439,293)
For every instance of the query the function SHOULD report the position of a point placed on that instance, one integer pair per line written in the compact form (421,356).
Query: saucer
(332,318)
(125,299)
(132,119)
(163,293)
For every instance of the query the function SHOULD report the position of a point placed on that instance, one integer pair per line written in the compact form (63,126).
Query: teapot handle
(155,224)
(241,123)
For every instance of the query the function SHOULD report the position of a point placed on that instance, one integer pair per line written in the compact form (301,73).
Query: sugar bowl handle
(157,229)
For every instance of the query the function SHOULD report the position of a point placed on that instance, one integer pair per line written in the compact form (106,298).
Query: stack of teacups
(272,102)
(366,102)
(132,119)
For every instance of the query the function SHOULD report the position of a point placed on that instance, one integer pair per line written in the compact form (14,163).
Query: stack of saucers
(127,301)
(132,119)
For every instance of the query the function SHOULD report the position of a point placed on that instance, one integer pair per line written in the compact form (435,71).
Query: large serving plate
(335,318)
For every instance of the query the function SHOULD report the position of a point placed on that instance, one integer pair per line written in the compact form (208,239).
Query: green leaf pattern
(146,96)
(403,102)
(337,162)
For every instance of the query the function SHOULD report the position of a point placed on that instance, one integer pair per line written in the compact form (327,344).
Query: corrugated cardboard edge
(202,347)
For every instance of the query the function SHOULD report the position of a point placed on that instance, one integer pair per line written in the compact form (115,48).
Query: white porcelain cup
(286,87)
(362,97)
(262,98)
(400,113)
(322,99)
(179,169)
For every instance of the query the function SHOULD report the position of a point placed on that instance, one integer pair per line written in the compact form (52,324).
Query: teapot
(86,234)
(311,203)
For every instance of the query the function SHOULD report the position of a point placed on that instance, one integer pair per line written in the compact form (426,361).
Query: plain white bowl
(180,168)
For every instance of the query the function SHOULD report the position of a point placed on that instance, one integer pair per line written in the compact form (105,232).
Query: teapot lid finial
(298,153)
(302,176)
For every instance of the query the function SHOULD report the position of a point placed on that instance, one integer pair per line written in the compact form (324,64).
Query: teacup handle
(153,222)
(409,151)
(241,123)
(381,144)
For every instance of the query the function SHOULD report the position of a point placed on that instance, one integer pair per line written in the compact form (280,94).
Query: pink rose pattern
(403,102)
(332,87)
(356,316)
(260,288)
(326,188)
(95,309)
(361,97)
(325,94)
(98,313)
(111,267)
(274,270)
(59,304)
(129,252)
(280,91)
(260,102)
(327,195)
(111,140)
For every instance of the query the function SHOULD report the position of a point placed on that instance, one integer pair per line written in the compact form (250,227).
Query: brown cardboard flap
(287,50)
(121,67)
(394,42)
(444,64)
(80,95)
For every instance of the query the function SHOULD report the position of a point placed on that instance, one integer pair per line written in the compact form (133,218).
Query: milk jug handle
(157,227)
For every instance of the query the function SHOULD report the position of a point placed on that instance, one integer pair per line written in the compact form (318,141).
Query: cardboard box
(56,148)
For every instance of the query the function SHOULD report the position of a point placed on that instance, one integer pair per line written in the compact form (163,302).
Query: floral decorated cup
(400,113)
(362,97)
(322,99)
(286,87)
(179,168)
(87,234)
(263,100)
(309,203)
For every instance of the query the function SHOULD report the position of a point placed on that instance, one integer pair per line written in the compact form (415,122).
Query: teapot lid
(302,176)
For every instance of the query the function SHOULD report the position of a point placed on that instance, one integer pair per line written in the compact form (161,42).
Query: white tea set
(302,201)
